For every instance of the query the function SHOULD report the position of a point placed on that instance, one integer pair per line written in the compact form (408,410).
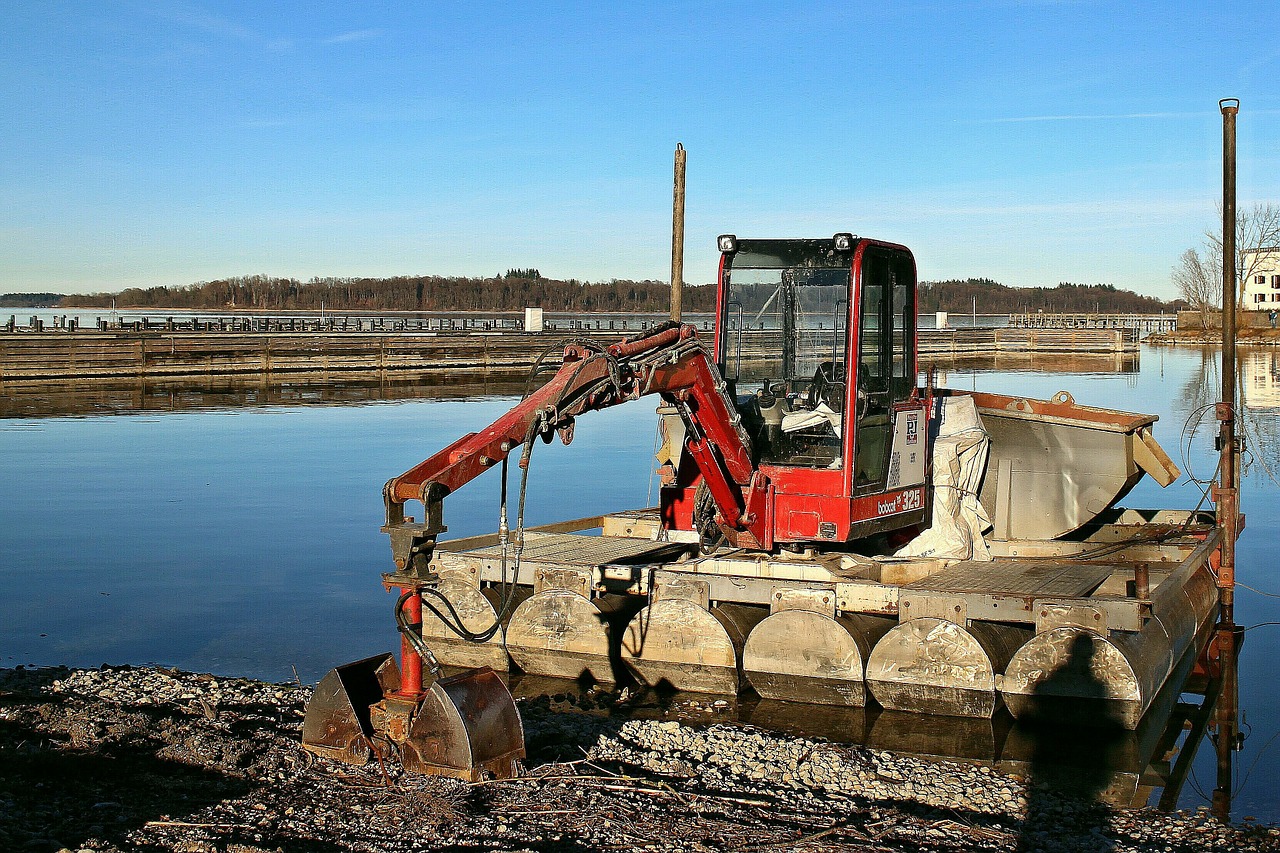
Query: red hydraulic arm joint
(410,660)
(668,360)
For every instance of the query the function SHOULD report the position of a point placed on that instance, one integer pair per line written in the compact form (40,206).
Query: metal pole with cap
(1227,497)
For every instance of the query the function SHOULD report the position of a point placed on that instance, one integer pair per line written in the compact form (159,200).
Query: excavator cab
(815,340)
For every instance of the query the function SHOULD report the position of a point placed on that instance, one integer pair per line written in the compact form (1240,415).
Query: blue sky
(1032,142)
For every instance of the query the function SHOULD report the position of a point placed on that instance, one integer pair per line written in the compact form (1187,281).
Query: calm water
(244,540)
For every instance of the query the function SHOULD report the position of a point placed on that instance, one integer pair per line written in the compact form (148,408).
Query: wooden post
(677,235)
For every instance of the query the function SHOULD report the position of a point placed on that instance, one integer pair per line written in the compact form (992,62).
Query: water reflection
(179,394)
(107,397)
(1015,362)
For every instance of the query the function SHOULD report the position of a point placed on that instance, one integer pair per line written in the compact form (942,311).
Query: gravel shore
(159,760)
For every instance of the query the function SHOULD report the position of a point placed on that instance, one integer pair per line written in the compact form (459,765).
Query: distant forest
(520,288)
(993,297)
(515,290)
(31,300)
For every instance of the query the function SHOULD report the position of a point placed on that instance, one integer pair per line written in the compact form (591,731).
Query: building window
(1275,281)
(1259,297)
(1260,279)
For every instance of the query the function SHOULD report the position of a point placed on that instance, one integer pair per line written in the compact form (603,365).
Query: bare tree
(1199,283)
(1256,228)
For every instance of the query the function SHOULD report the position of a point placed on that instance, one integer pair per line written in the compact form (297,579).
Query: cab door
(885,365)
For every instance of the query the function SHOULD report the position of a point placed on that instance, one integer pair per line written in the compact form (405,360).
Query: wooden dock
(41,357)
(960,343)
(87,354)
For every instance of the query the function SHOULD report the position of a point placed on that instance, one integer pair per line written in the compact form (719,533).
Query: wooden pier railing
(1054,320)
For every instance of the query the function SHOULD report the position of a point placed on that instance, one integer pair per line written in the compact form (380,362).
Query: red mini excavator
(802,427)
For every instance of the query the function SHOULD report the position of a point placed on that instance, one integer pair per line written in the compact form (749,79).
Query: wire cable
(542,424)
(1258,591)
(1240,787)
(415,636)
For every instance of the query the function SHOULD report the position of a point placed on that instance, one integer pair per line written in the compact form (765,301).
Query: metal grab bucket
(463,726)
(337,724)
(466,726)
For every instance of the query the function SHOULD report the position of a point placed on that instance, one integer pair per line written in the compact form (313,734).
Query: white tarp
(959,461)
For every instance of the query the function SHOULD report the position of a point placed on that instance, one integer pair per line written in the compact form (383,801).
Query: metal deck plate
(1031,578)
(568,549)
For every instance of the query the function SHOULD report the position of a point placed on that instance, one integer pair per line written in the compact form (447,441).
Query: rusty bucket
(337,723)
(465,726)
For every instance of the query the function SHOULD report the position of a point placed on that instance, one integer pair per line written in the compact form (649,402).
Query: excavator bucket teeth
(337,723)
(466,727)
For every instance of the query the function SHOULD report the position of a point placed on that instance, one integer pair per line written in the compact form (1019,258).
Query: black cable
(1240,786)
(1258,591)
(415,637)
(453,621)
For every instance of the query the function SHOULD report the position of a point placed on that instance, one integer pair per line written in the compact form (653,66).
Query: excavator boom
(670,361)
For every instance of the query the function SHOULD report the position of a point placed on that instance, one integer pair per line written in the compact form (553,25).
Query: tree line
(521,288)
(514,291)
(992,297)
(30,300)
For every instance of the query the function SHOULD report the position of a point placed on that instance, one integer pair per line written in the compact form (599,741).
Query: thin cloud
(353,35)
(197,18)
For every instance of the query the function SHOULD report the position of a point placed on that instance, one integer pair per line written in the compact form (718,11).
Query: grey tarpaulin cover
(959,461)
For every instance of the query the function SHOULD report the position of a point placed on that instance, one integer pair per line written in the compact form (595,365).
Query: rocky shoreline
(151,759)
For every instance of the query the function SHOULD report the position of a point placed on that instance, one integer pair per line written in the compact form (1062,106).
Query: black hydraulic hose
(415,637)
(538,364)
(452,620)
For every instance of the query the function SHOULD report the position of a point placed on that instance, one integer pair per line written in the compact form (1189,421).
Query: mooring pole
(1227,498)
(677,236)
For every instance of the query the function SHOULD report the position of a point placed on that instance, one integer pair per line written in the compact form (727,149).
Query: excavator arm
(670,361)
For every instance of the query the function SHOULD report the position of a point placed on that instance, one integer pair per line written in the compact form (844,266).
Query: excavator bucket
(464,726)
(337,723)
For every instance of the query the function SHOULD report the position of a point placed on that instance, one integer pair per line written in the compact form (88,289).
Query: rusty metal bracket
(790,598)
(393,716)
(411,543)
(1050,614)
(574,579)
(667,585)
(919,604)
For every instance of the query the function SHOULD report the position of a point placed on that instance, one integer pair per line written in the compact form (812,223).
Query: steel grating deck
(1031,578)
(569,549)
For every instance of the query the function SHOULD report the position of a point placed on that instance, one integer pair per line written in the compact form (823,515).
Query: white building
(1262,279)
